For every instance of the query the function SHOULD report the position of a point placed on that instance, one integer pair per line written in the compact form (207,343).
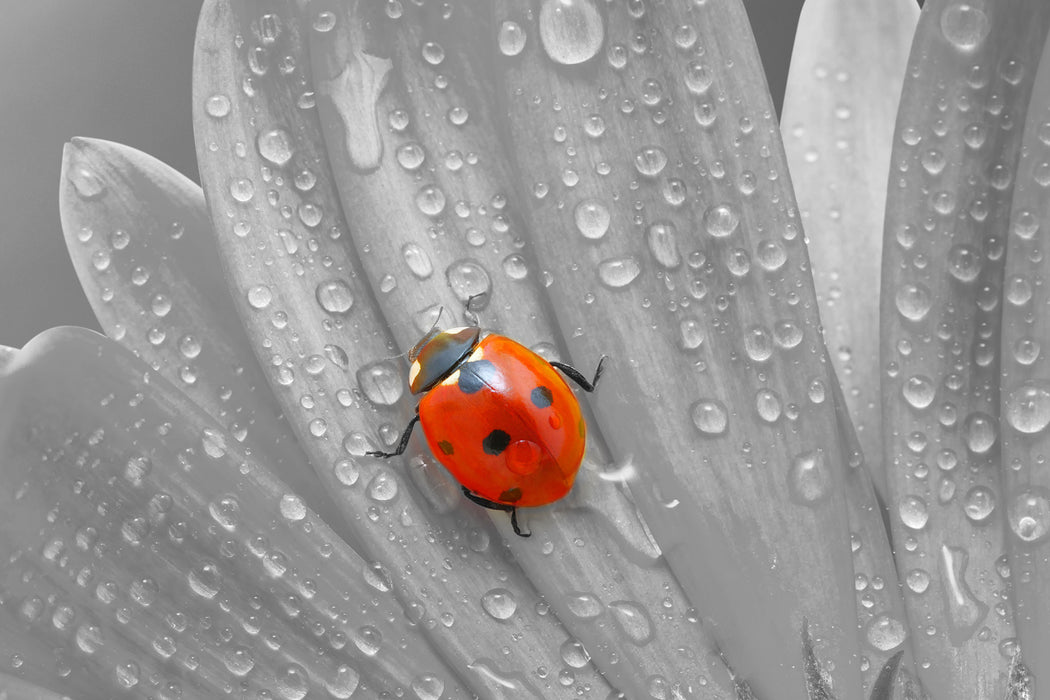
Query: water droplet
(965,612)
(592,218)
(650,161)
(919,391)
(275,146)
(691,333)
(411,156)
(913,301)
(584,605)
(885,633)
(979,503)
(499,603)
(965,26)
(663,244)
(964,262)
(226,512)
(913,512)
(710,417)
(571,31)
(768,405)
(382,487)
(292,507)
(808,480)
(417,260)
(127,674)
(981,432)
(217,106)
(239,660)
(86,182)
(467,278)
(242,189)
(205,580)
(214,443)
(918,580)
(574,654)
(721,220)
(292,682)
(1028,408)
(431,200)
(619,272)
(633,621)
(428,687)
(1029,514)
(758,344)
(335,296)
(511,38)
(698,78)
(381,383)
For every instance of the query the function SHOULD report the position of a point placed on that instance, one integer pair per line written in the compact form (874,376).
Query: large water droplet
(499,603)
(467,278)
(275,146)
(86,182)
(913,301)
(663,244)
(650,161)
(633,621)
(981,432)
(619,272)
(428,687)
(885,633)
(381,383)
(571,31)
(1028,408)
(919,391)
(584,605)
(417,260)
(1029,514)
(913,512)
(511,38)
(808,480)
(217,106)
(710,417)
(343,683)
(239,660)
(335,296)
(292,507)
(592,218)
(965,26)
(965,612)
(721,220)
(979,504)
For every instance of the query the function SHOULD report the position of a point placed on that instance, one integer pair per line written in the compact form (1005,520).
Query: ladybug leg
(574,374)
(492,505)
(402,444)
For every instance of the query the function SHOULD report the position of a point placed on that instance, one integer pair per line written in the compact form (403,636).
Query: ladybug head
(437,354)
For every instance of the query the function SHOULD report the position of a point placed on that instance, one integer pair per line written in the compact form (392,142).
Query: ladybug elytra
(498,417)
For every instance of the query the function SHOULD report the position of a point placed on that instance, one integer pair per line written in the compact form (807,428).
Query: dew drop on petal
(335,296)
(275,145)
(417,260)
(428,687)
(584,605)
(885,633)
(965,26)
(913,512)
(979,504)
(381,383)
(592,218)
(633,621)
(1029,514)
(382,487)
(259,296)
(292,682)
(1028,408)
(511,38)
(467,278)
(86,182)
(292,507)
(913,301)
(710,417)
(571,31)
(619,272)
(808,479)
(721,220)
(663,244)
(980,432)
(919,391)
(650,161)
(238,660)
(574,654)
(217,106)
(343,683)
(499,603)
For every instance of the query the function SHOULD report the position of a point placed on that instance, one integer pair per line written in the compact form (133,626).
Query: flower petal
(958,138)
(280,228)
(839,110)
(147,545)
(140,239)
(12,688)
(838,132)
(445,143)
(1025,399)
(667,230)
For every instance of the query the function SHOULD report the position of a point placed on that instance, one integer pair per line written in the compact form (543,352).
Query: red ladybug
(499,417)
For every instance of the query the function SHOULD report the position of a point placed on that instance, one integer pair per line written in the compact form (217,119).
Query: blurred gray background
(120,70)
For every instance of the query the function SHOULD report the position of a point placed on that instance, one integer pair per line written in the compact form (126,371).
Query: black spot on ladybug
(542,397)
(511,495)
(446,447)
(495,442)
(474,375)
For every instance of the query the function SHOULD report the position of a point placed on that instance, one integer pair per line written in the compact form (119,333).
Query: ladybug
(498,416)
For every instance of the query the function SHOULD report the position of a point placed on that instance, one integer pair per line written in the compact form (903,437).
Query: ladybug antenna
(418,347)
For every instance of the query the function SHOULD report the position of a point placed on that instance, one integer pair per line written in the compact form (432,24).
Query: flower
(191,510)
